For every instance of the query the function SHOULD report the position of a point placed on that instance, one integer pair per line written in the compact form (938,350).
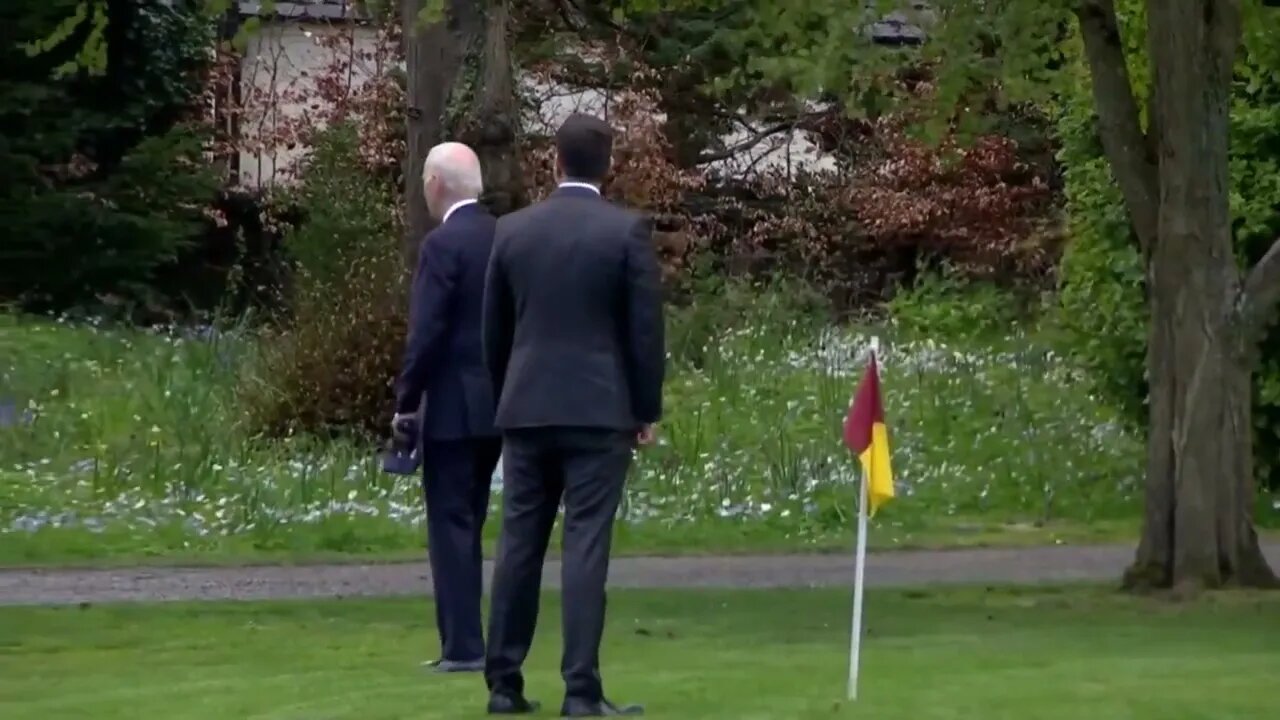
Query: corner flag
(867,436)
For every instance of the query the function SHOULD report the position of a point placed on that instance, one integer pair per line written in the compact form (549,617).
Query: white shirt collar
(588,186)
(454,207)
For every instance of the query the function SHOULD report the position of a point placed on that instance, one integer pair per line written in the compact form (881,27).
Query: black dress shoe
(602,708)
(456,666)
(501,704)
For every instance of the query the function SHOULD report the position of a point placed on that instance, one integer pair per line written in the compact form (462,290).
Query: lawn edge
(251,561)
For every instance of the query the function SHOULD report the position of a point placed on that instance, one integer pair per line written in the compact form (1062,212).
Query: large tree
(1167,144)
(1168,149)
(1207,313)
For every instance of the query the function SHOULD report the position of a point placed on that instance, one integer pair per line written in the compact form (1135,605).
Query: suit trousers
(586,468)
(457,476)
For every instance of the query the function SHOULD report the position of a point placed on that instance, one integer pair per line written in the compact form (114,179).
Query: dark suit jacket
(573,332)
(444,355)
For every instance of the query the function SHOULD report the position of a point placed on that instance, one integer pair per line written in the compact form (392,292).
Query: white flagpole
(860,562)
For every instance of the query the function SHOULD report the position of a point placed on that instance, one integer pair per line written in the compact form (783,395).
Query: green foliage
(148,424)
(103,240)
(117,410)
(948,305)
(1102,310)
(330,367)
(714,302)
(347,213)
(433,11)
(92,57)
(103,181)
(976,53)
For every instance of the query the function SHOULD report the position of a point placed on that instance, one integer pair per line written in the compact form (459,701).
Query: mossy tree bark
(461,87)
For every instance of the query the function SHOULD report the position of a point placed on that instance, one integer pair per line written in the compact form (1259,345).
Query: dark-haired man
(573,338)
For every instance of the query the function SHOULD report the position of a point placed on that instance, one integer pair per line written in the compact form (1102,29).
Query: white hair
(456,167)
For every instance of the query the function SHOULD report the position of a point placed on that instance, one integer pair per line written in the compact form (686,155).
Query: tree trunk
(490,118)
(1198,529)
(434,57)
(1128,150)
(460,87)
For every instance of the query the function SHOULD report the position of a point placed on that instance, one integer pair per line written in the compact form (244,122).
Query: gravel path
(891,569)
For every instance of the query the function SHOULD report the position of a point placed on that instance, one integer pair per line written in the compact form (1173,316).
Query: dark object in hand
(403,455)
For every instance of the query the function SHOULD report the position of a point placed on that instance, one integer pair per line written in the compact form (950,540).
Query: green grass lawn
(1067,653)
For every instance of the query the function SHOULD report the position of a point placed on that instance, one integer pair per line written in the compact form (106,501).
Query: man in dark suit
(574,341)
(444,358)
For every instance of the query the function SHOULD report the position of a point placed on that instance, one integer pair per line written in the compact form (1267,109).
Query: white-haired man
(444,360)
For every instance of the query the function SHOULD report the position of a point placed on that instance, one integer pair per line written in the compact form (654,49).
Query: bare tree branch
(796,122)
(1260,297)
(1127,149)
(571,14)
(746,144)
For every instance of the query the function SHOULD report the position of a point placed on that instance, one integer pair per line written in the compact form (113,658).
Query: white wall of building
(281,63)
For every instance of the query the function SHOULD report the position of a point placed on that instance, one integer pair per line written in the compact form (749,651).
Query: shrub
(346,212)
(332,363)
(328,367)
(947,306)
(892,204)
(238,266)
(903,205)
(861,234)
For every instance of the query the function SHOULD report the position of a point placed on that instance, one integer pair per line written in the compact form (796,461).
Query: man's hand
(403,427)
(647,435)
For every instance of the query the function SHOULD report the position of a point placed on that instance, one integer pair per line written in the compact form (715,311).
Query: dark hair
(584,146)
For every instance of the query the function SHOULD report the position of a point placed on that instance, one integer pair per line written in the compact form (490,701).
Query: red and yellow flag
(866,435)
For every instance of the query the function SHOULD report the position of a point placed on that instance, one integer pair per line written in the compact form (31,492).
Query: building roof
(900,27)
(305,9)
